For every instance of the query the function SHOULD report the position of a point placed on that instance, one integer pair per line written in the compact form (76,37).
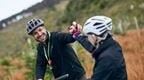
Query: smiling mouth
(42,38)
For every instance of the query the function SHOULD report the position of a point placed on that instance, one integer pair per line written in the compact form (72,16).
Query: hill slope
(125,13)
(14,37)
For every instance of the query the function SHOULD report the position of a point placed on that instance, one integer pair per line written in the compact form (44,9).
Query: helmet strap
(103,37)
(100,39)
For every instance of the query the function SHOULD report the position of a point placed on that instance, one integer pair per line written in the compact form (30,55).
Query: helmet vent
(30,27)
(100,27)
(97,24)
(35,23)
(87,23)
(102,30)
(109,23)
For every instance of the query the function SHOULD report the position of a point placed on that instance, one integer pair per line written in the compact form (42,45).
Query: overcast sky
(11,7)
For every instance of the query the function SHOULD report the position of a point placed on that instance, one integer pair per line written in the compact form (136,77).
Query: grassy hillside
(126,14)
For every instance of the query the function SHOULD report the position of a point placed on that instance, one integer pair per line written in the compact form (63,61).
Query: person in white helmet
(96,37)
(54,50)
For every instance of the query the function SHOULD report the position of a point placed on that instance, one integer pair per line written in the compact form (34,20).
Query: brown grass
(133,47)
(2,73)
(19,75)
(15,71)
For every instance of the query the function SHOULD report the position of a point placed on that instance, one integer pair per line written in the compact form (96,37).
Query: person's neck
(47,37)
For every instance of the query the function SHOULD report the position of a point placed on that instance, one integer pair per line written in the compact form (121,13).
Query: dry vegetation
(133,47)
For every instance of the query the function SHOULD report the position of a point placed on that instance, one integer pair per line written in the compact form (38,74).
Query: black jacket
(110,63)
(64,59)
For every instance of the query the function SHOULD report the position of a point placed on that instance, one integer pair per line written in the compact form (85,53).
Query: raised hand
(75,29)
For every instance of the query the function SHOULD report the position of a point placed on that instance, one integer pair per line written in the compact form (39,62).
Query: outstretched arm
(64,38)
(85,43)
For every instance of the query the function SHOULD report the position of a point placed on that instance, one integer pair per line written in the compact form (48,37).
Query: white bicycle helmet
(97,25)
(33,24)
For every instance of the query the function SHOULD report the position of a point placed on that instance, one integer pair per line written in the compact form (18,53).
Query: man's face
(92,39)
(40,34)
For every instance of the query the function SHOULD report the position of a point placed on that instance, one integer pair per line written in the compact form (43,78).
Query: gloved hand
(75,29)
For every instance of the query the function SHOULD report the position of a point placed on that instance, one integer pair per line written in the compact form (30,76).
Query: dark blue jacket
(64,59)
(110,63)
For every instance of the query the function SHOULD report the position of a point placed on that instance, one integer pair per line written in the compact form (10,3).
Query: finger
(79,27)
(71,29)
(74,23)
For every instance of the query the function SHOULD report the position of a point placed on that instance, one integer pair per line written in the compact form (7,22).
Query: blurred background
(18,50)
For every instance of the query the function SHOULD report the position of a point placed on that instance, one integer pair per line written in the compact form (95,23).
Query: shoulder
(59,34)
(53,34)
